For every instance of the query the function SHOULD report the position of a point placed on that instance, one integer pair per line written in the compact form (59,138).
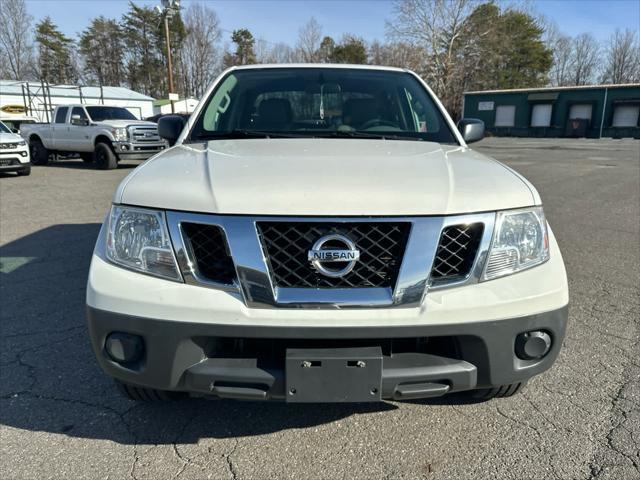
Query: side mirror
(170,128)
(471,129)
(78,120)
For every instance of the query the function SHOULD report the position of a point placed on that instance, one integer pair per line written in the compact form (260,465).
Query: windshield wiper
(243,133)
(356,134)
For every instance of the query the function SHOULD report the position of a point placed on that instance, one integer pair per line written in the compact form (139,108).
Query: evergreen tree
(349,50)
(102,46)
(54,54)
(245,53)
(146,55)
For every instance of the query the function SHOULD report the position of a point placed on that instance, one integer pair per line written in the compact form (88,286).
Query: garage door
(541,115)
(505,115)
(626,115)
(580,110)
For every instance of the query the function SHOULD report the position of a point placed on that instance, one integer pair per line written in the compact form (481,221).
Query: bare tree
(623,58)
(562,68)
(267,52)
(435,26)
(308,45)
(16,52)
(586,56)
(397,54)
(201,53)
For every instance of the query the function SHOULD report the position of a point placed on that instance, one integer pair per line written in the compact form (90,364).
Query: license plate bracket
(333,375)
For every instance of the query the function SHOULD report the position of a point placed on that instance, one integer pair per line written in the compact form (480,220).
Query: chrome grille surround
(255,286)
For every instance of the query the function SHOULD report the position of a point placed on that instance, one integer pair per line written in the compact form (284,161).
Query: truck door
(59,129)
(78,139)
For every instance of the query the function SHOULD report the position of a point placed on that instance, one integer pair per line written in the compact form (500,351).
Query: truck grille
(456,252)
(286,246)
(208,247)
(142,134)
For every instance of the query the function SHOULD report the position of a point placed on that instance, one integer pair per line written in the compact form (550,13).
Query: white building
(185,105)
(38,100)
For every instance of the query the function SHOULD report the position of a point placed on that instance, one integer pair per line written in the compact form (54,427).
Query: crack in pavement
(230,465)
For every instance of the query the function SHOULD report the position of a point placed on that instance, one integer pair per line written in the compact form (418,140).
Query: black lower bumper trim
(177,358)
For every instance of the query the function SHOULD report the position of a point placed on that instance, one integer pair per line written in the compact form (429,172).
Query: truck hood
(10,137)
(125,123)
(328,177)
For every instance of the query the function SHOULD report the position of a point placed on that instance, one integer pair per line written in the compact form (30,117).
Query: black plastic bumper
(178,356)
(15,167)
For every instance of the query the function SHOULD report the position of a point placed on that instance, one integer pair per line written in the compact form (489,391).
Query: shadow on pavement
(77,163)
(51,382)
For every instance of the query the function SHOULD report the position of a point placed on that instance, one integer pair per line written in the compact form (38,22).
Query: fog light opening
(124,348)
(533,345)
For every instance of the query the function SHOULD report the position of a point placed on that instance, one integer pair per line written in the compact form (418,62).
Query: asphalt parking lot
(60,417)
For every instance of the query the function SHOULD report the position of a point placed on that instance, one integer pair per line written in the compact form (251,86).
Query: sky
(279,20)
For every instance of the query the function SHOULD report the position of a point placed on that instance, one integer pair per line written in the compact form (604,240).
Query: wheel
(39,154)
(87,157)
(24,172)
(104,157)
(142,394)
(502,391)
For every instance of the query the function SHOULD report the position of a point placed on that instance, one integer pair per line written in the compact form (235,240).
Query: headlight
(120,134)
(22,144)
(138,239)
(520,241)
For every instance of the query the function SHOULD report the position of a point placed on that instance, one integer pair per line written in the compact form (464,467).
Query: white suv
(322,233)
(14,152)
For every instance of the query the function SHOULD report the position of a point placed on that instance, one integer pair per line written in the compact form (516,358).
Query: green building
(590,111)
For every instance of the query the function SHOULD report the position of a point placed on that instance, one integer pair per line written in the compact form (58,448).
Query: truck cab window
(80,112)
(61,115)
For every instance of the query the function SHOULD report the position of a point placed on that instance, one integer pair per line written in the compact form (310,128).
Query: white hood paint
(125,123)
(328,177)
(10,137)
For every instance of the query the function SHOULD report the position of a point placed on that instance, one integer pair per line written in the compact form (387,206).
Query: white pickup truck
(102,135)
(323,233)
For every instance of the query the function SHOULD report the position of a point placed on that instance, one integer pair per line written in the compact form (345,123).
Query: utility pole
(168,8)
(169,66)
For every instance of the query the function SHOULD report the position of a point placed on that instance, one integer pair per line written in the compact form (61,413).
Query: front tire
(24,172)
(105,158)
(142,394)
(39,154)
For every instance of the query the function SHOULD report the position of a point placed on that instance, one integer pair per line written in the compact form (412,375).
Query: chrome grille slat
(140,134)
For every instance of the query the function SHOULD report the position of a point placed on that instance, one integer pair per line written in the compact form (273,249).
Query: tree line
(456,45)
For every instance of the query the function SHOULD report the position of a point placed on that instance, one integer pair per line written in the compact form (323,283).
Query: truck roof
(318,65)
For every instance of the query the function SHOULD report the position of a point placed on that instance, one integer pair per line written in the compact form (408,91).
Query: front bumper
(138,151)
(191,334)
(14,160)
(194,357)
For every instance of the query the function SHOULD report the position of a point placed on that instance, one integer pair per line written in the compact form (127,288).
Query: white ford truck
(323,233)
(102,135)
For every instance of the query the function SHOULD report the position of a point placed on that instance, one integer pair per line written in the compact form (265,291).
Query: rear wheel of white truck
(39,154)
(105,158)
(142,394)
(502,391)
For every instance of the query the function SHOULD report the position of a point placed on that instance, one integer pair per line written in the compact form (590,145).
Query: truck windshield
(321,102)
(99,114)
(3,128)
